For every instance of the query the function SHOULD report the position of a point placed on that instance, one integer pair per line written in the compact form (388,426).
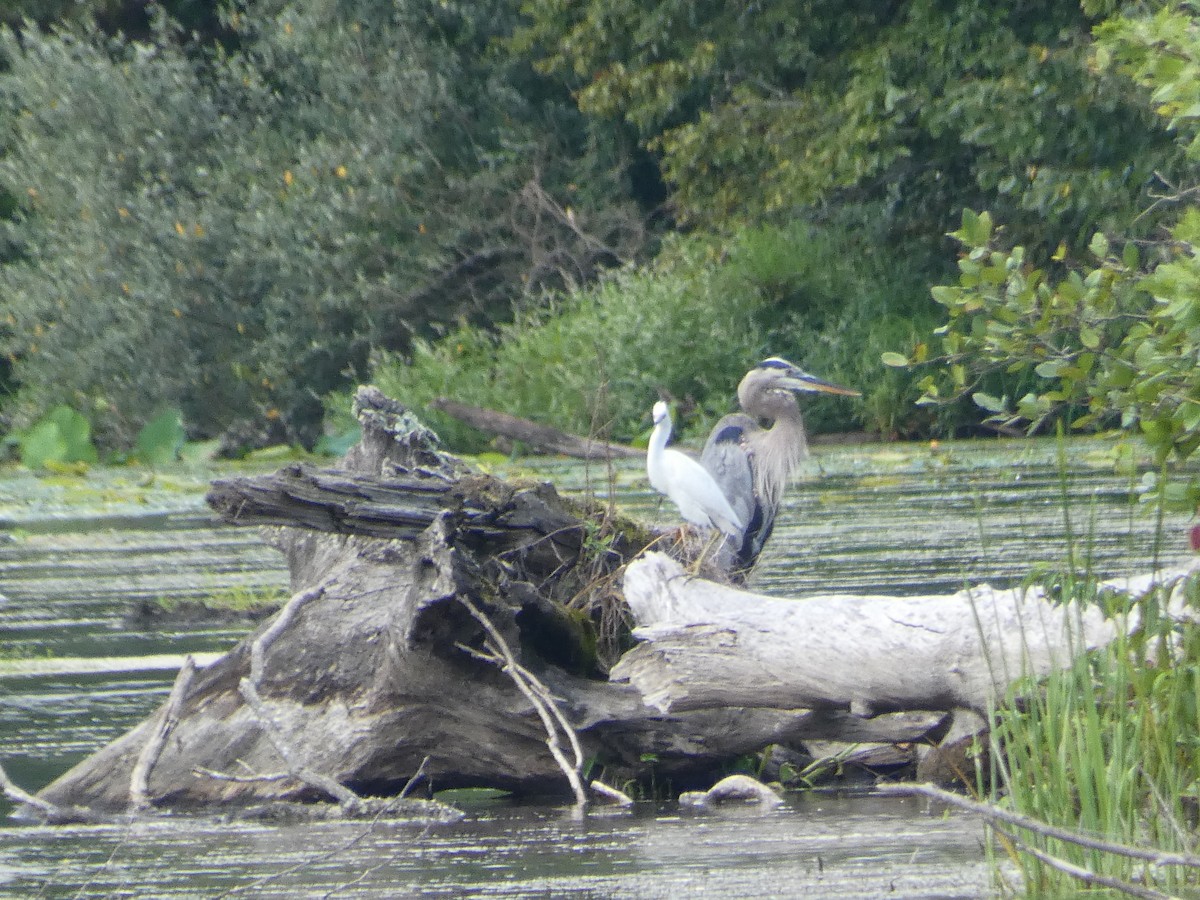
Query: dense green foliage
(231,221)
(1109,339)
(876,136)
(763,111)
(229,232)
(684,328)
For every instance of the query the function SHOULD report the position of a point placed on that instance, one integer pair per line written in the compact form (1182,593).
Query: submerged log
(408,570)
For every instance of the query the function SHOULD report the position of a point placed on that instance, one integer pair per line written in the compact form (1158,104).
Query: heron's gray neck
(783,447)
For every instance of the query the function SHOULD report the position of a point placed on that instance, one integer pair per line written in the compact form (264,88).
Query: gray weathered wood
(710,646)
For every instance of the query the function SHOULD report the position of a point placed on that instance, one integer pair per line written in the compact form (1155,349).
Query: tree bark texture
(705,645)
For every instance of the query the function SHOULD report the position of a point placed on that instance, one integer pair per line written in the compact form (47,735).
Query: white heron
(686,482)
(753,464)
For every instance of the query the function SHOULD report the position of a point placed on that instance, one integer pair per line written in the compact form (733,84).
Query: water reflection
(818,845)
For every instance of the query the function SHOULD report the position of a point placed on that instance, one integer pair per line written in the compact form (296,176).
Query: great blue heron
(753,464)
(688,484)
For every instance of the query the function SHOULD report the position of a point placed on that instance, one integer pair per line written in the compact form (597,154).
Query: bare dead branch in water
(139,779)
(1079,873)
(553,720)
(610,793)
(995,814)
(55,814)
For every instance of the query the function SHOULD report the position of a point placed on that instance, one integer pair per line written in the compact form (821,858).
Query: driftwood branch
(994,814)
(248,688)
(611,794)
(708,646)
(484,510)
(1084,875)
(327,500)
(542,438)
(541,699)
(54,813)
(139,782)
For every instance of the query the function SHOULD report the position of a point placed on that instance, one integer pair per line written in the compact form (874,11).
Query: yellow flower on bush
(288,178)
(179,229)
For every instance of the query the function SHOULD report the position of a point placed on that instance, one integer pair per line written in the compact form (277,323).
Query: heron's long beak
(799,380)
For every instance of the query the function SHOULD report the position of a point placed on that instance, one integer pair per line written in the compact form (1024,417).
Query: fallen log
(377,666)
(452,624)
(541,438)
(705,645)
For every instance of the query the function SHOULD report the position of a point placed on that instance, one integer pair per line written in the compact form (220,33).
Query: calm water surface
(76,554)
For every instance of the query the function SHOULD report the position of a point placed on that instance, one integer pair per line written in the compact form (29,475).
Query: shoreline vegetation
(564,226)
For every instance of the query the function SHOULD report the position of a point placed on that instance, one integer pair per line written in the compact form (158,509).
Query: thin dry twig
(238,779)
(551,703)
(415,780)
(537,694)
(139,779)
(336,851)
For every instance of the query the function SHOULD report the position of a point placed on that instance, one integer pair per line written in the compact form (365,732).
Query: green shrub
(228,230)
(596,360)
(690,326)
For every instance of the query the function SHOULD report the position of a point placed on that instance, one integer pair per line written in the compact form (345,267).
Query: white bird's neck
(656,453)
(661,434)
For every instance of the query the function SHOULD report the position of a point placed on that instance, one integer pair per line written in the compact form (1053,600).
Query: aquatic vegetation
(232,598)
(1107,747)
